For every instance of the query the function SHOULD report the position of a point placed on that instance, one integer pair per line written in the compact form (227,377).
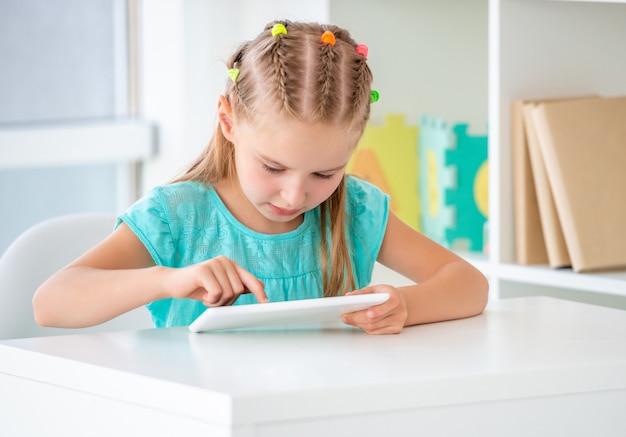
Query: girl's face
(286,167)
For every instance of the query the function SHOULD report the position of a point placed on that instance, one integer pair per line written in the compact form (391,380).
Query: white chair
(35,255)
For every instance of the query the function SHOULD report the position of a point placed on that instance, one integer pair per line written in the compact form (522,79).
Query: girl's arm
(448,287)
(119,275)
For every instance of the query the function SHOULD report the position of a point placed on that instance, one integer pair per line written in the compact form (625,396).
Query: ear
(225,117)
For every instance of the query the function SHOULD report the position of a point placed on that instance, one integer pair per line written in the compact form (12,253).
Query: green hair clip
(374,96)
(233,73)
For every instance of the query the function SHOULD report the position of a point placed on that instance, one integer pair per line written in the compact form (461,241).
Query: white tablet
(295,312)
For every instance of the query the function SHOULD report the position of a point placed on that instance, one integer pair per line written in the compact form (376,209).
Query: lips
(283,211)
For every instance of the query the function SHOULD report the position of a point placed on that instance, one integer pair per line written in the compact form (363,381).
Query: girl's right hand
(216,282)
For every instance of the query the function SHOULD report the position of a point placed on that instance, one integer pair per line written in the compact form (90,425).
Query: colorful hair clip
(233,73)
(328,38)
(362,50)
(374,96)
(278,29)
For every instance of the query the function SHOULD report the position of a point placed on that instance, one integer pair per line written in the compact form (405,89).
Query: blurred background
(102,99)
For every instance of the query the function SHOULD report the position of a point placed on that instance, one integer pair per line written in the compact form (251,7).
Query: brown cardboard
(583,144)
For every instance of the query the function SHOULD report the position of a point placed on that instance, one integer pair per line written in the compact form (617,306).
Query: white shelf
(545,49)
(604,282)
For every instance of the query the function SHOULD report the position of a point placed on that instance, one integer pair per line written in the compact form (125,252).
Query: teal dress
(186,223)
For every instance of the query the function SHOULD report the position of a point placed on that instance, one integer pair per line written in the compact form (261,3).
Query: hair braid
(278,61)
(362,77)
(327,81)
(236,88)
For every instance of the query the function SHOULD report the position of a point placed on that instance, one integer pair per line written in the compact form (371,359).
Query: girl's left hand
(387,318)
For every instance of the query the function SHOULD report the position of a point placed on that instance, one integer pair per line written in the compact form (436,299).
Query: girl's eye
(271,169)
(275,170)
(323,176)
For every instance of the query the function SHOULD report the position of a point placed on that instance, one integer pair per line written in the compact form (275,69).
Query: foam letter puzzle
(386,156)
(453,184)
(435,139)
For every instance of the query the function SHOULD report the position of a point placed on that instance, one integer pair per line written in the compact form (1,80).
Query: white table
(528,366)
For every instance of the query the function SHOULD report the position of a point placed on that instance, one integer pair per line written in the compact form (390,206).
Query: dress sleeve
(148,218)
(367,215)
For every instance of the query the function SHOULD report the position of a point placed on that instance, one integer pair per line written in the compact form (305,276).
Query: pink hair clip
(362,50)
(328,38)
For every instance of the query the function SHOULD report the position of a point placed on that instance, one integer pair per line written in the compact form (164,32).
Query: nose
(294,192)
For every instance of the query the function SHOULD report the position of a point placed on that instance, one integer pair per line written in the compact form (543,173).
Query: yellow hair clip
(233,73)
(278,29)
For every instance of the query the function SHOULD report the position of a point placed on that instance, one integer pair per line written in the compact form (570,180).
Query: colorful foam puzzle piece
(453,184)
(386,156)
(435,177)
(469,158)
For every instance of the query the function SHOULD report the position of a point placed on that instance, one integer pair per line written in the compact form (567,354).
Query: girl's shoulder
(189,188)
(173,195)
(367,206)
(178,199)
(364,195)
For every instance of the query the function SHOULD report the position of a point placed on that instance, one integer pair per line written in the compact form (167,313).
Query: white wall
(427,56)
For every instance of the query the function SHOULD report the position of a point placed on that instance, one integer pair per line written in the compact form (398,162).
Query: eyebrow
(278,164)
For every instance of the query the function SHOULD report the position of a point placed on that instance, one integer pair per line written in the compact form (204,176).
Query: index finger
(252,284)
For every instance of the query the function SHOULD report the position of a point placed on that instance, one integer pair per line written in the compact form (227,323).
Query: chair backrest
(35,255)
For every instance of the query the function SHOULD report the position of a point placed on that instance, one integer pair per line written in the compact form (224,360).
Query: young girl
(266,212)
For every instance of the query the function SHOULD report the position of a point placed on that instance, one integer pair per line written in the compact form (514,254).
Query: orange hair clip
(328,38)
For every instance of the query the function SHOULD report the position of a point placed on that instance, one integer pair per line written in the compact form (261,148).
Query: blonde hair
(298,75)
